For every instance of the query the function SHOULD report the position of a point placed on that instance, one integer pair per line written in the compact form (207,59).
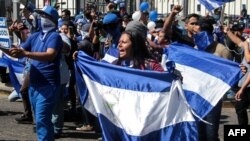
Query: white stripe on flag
(139,113)
(202,83)
(19,77)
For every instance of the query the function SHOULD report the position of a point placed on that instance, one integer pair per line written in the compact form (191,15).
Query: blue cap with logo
(49,12)
(110,18)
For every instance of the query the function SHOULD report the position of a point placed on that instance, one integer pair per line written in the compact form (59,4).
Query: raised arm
(168,21)
(239,42)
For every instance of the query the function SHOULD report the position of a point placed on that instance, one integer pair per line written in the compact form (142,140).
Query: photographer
(237,53)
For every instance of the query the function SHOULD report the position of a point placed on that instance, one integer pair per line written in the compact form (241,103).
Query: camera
(238,26)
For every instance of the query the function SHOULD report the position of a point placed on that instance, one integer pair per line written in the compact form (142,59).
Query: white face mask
(47,25)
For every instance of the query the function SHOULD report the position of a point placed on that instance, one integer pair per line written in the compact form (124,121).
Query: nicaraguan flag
(206,77)
(16,67)
(135,104)
(213,4)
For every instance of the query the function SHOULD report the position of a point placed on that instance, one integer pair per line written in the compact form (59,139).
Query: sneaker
(14,96)
(24,120)
(85,128)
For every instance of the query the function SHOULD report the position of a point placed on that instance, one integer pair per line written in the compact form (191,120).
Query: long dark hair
(140,51)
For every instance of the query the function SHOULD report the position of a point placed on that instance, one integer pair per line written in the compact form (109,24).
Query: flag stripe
(210,83)
(198,89)
(184,131)
(124,75)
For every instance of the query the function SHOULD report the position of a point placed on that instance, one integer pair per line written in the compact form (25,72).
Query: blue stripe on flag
(87,65)
(81,86)
(195,101)
(184,131)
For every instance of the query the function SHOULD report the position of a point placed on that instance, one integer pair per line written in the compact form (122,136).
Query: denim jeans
(210,132)
(58,113)
(42,101)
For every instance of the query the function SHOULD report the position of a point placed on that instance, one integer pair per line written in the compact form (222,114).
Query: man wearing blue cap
(112,27)
(44,49)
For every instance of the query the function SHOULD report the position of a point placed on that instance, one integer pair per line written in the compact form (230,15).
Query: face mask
(47,25)
(203,40)
(216,17)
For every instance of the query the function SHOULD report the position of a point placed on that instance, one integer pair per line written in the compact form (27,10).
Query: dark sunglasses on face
(195,23)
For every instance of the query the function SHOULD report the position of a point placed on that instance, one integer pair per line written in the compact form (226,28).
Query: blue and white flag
(213,4)
(135,104)
(206,77)
(16,68)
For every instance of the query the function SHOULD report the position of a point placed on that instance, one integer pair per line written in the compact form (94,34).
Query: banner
(4,34)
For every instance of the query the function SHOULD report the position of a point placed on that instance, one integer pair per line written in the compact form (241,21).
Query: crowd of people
(50,43)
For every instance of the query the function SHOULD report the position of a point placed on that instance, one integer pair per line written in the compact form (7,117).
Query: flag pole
(185,8)
(222,14)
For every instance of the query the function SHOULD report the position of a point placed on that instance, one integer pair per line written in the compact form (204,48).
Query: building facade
(194,6)
(162,6)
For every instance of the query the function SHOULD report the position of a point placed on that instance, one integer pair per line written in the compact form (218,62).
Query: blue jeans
(58,113)
(210,132)
(42,101)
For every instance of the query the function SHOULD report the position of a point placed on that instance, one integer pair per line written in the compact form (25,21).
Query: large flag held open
(145,105)
(134,104)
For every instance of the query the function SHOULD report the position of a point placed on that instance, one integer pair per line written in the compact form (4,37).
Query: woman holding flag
(133,52)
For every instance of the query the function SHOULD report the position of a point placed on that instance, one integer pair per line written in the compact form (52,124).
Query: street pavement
(10,130)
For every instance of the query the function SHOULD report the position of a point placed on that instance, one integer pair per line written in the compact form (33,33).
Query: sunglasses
(195,23)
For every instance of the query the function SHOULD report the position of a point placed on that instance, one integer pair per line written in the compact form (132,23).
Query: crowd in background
(139,38)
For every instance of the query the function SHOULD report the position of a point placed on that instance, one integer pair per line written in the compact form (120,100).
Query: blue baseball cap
(30,6)
(110,18)
(50,12)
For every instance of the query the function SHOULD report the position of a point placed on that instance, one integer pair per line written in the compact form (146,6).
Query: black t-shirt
(177,36)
